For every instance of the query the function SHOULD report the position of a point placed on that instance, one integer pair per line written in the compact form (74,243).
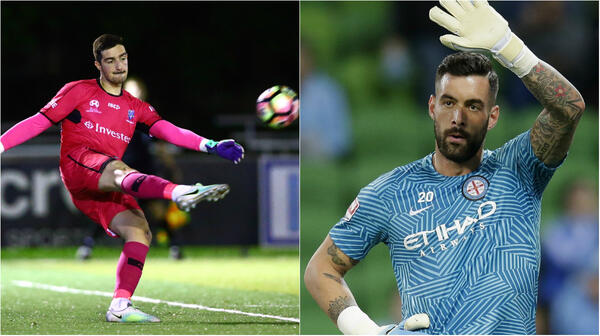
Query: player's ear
(431,106)
(97,64)
(493,117)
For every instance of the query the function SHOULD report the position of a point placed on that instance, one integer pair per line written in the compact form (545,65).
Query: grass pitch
(261,283)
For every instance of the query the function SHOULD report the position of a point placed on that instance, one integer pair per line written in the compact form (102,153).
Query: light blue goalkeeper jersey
(465,249)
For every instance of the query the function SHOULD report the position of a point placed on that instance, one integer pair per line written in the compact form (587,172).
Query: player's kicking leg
(117,176)
(132,226)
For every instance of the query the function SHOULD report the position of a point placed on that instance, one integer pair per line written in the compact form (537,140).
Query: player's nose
(120,66)
(458,115)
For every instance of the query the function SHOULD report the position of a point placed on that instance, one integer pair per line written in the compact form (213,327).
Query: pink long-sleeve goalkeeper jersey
(96,119)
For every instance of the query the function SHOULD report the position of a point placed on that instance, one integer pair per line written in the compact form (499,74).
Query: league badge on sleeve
(475,187)
(351,210)
(130,115)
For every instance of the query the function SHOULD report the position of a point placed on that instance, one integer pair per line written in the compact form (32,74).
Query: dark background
(198,59)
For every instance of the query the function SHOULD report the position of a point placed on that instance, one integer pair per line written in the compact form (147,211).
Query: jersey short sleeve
(518,155)
(148,114)
(363,226)
(64,102)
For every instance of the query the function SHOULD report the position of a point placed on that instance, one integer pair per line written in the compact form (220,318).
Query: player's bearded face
(459,151)
(461,114)
(114,64)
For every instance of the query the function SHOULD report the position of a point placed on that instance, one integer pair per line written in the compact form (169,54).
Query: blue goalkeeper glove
(227,149)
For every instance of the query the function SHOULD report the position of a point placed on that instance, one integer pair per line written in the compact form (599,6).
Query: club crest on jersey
(94,104)
(130,115)
(351,210)
(475,187)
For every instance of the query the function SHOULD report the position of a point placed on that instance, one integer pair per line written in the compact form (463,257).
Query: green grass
(262,282)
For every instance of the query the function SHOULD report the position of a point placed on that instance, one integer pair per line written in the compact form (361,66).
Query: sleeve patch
(351,210)
(52,103)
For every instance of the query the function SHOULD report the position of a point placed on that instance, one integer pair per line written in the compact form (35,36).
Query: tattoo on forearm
(553,91)
(337,305)
(334,251)
(333,277)
(553,130)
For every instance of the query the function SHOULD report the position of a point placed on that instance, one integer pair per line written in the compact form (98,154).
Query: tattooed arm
(553,130)
(324,279)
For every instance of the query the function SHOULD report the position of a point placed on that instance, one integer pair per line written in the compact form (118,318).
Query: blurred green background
(378,59)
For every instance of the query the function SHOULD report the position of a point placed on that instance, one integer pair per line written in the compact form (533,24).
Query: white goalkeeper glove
(479,28)
(406,327)
(353,321)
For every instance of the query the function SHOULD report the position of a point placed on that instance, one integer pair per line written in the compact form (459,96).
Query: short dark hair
(467,63)
(104,42)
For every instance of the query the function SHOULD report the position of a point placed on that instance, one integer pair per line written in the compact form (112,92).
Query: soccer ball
(277,107)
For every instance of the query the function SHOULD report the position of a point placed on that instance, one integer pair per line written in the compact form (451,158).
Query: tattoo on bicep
(333,277)
(333,252)
(337,305)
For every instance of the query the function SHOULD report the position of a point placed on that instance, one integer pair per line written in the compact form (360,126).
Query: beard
(459,152)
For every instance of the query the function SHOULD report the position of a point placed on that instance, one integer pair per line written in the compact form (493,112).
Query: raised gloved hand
(479,28)
(227,149)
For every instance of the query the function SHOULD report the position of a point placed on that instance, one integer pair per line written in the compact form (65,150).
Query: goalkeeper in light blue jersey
(462,223)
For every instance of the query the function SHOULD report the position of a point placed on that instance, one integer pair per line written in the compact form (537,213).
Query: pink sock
(129,268)
(146,186)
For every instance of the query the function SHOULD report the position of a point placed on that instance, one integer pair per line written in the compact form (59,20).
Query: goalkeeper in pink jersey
(98,118)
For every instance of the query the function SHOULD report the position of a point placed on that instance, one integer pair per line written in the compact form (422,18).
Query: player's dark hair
(104,42)
(465,64)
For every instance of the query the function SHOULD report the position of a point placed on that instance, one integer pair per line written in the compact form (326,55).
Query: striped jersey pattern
(465,249)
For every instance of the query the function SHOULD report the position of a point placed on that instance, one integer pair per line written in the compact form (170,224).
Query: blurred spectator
(325,126)
(396,63)
(425,48)
(568,293)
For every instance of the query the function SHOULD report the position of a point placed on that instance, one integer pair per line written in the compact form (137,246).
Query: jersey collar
(110,94)
(427,164)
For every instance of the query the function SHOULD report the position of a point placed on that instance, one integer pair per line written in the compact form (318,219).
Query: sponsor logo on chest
(439,239)
(96,127)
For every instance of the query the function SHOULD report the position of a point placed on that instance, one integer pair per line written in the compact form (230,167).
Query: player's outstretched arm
(227,149)
(23,131)
(324,279)
(477,27)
